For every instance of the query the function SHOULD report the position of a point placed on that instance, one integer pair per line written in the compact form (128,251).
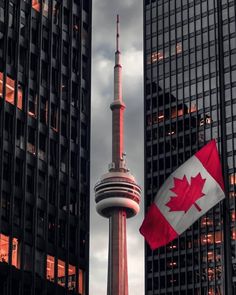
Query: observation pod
(117,194)
(117,190)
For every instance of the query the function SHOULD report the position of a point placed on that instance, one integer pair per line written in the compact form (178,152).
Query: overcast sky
(131,37)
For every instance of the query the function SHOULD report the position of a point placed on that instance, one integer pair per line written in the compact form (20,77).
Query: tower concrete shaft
(117,283)
(117,194)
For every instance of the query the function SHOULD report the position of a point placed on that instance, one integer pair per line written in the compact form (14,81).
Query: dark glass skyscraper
(190,98)
(45,57)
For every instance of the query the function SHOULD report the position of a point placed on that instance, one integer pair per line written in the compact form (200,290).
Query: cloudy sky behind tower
(131,37)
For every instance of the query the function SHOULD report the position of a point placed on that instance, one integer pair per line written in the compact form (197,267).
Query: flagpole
(227,266)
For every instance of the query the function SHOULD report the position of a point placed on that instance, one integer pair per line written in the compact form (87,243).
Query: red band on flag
(210,160)
(156,229)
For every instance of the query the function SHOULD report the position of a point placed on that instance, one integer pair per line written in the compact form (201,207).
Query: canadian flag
(187,194)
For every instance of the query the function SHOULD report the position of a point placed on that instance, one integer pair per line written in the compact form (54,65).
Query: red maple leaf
(186,194)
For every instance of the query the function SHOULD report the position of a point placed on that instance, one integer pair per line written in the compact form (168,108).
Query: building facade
(190,98)
(45,60)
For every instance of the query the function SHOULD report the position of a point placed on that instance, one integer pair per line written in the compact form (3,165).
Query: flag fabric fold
(187,194)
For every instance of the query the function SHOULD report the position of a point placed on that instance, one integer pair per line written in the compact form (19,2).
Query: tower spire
(118,67)
(118,107)
(117,33)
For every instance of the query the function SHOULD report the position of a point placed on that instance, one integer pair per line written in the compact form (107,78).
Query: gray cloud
(104,17)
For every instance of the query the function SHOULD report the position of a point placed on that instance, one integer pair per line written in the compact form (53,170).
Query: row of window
(52,227)
(11,88)
(45,266)
(19,166)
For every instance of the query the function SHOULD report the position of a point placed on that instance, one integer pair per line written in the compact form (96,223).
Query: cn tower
(117,194)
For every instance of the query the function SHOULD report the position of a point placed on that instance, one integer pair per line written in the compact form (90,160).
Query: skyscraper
(45,56)
(117,194)
(190,98)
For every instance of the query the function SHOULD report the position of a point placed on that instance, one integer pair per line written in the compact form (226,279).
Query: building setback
(45,59)
(190,98)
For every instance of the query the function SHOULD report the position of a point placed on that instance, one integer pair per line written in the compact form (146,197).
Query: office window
(52,189)
(61,272)
(29,218)
(54,117)
(17,211)
(51,228)
(5,206)
(7,166)
(19,167)
(42,146)
(41,185)
(30,178)
(50,268)
(31,141)
(40,223)
(8,126)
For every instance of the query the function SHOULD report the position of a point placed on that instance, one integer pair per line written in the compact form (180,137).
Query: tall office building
(190,97)
(45,56)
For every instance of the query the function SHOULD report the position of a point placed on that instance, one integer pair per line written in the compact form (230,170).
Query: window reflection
(206,221)
(159,55)
(210,238)
(178,111)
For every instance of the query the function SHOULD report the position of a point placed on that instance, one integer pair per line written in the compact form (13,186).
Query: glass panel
(50,268)
(61,273)
(15,253)
(10,88)
(81,282)
(36,5)
(4,248)
(71,277)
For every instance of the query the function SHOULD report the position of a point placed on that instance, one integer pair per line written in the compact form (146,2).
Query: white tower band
(117,194)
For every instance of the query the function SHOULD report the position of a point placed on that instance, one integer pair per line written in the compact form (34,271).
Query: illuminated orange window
(36,5)
(206,221)
(210,256)
(232,195)
(233,215)
(178,48)
(81,282)
(233,234)
(10,91)
(71,277)
(10,88)
(20,98)
(209,238)
(218,237)
(232,179)
(193,108)
(4,248)
(50,267)
(61,272)
(157,56)
(15,253)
